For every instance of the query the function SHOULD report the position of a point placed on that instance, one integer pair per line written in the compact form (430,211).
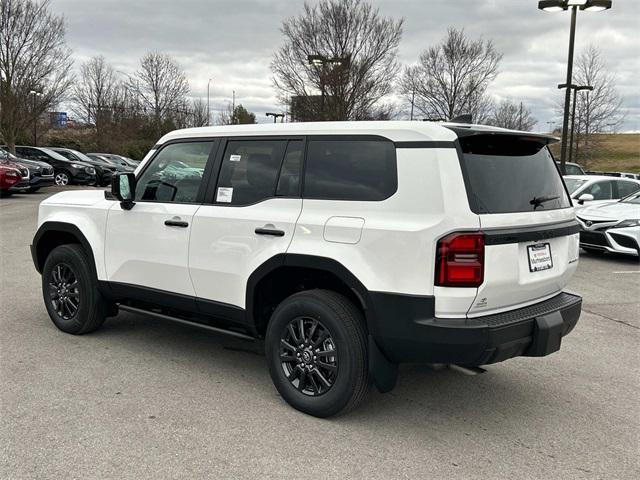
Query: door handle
(174,222)
(270,231)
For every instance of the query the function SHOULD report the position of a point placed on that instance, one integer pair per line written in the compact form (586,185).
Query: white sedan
(611,227)
(598,189)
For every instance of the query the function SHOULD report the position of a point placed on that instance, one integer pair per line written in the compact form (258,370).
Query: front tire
(62,178)
(70,293)
(317,353)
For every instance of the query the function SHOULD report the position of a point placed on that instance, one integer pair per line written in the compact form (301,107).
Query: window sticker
(235,158)
(224,195)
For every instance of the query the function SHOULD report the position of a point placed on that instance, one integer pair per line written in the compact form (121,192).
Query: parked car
(634,176)
(9,177)
(40,173)
(594,189)
(125,161)
(612,227)
(65,171)
(104,171)
(415,242)
(572,168)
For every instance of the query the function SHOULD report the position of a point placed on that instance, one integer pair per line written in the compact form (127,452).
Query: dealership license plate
(539,257)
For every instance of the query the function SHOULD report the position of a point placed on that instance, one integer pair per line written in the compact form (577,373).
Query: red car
(8,178)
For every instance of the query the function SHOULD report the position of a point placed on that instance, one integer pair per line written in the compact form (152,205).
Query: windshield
(81,156)
(509,174)
(633,198)
(53,154)
(573,184)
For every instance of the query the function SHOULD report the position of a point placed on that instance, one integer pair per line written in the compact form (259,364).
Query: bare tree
(599,110)
(161,85)
(33,58)
(452,77)
(198,113)
(340,55)
(96,92)
(508,114)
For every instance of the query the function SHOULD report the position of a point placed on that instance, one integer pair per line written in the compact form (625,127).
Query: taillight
(460,260)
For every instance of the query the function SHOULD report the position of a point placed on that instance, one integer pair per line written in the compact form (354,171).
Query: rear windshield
(510,173)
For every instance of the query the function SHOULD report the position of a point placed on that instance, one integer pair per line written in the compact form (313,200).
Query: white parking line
(629,271)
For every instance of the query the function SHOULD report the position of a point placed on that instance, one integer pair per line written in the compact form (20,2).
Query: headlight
(90,170)
(77,165)
(629,223)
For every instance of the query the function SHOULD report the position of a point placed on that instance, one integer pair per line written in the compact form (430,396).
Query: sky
(232,42)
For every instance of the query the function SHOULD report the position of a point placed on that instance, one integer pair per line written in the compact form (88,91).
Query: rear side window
(249,171)
(509,174)
(350,169)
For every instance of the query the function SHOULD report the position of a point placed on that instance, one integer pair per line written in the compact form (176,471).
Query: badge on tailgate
(539,257)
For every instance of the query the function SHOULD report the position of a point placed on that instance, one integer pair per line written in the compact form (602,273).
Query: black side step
(141,311)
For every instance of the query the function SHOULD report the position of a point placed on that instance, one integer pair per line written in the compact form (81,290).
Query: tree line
(338,61)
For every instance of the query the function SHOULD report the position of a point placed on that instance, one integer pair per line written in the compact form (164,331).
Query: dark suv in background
(104,171)
(40,173)
(65,171)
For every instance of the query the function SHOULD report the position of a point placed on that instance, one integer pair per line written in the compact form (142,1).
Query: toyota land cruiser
(347,248)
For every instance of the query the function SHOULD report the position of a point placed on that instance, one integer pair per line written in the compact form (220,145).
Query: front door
(255,208)
(148,245)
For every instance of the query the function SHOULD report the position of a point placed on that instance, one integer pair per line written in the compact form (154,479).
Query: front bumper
(82,178)
(624,240)
(418,337)
(35,181)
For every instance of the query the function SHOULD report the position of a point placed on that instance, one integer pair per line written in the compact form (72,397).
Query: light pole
(275,116)
(576,89)
(559,6)
(35,96)
(320,61)
(208,104)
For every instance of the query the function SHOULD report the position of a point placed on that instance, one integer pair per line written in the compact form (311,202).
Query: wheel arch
(53,234)
(285,274)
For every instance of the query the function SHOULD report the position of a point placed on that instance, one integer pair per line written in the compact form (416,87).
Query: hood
(610,211)
(75,197)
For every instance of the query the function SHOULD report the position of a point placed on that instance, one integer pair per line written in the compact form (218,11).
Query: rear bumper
(418,337)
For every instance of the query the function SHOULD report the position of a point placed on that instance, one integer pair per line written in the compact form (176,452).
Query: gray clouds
(233,41)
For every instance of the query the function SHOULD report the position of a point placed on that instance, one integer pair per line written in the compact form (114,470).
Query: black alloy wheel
(308,356)
(63,291)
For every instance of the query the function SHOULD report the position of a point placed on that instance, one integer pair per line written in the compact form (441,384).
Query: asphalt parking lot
(143,398)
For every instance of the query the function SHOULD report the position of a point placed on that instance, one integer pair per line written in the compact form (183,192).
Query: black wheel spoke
(63,291)
(309,371)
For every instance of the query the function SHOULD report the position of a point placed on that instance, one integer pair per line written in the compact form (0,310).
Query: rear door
(250,217)
(531,239)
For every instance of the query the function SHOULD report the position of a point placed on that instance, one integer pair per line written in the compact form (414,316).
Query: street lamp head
(597,5)
(316,60)
(552,5)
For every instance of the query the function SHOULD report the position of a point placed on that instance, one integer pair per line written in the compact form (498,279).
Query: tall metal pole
(573,122)
(35,121)
(233,108)
(208,104)
(586,136)
(413,97)
(567,95)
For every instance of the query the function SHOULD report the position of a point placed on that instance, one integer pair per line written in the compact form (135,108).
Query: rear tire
(70,293)
(308,375)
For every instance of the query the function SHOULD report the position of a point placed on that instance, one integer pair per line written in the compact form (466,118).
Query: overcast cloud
(232,41)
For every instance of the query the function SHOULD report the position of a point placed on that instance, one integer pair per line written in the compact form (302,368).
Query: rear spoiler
(463,131)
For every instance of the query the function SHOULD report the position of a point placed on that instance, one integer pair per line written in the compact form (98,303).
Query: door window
(175,174)
(250,171)
(600,190)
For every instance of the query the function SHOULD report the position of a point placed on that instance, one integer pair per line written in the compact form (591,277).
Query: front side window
(600,190)
(175,174)
(250,170)
(350,169)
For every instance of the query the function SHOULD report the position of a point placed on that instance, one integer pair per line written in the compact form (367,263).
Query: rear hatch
(531,239)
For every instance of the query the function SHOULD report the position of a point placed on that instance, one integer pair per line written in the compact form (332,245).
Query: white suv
(347,248)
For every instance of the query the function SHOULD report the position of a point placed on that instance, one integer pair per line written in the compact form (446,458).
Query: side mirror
(123,188)
(585,197)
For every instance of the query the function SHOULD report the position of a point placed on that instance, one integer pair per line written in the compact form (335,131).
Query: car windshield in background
(81,156)
(573,170)
(508,174)
(573,184)
(54,154)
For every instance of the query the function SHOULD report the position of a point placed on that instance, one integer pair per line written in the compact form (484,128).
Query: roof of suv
(397,131)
